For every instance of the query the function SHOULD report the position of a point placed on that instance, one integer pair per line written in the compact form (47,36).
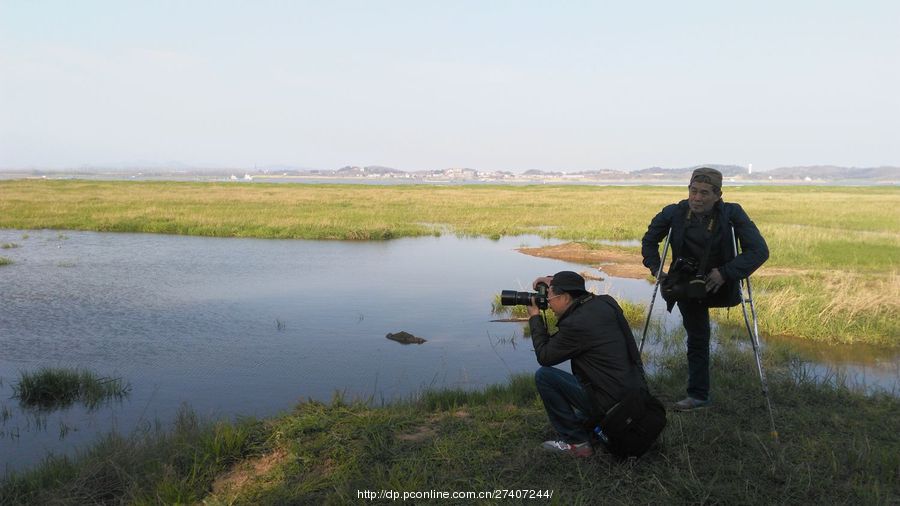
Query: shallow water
(251,326)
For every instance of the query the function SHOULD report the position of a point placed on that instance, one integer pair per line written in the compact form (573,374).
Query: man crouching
(607,388)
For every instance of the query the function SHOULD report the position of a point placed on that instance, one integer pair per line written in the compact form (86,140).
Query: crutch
(662,262)
(754,336)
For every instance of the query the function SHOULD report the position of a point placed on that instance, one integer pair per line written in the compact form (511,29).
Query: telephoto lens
(514,298)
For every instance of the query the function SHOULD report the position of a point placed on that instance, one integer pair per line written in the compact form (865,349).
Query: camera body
(514,298)
(684,281)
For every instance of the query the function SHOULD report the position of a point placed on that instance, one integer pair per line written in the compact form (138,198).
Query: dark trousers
(567,404)
(695,318)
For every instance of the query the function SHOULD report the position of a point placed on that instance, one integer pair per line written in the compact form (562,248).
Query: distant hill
(369,169)
(726,170)
(831,172)
(806,173)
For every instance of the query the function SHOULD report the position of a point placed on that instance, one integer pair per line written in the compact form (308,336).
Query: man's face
(702,197)
(558,302)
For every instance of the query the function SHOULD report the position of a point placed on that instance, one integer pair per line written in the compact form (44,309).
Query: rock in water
(405,338)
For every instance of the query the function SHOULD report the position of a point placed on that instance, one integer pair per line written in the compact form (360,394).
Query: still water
(249,327)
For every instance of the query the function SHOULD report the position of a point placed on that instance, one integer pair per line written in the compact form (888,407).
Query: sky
(426,84)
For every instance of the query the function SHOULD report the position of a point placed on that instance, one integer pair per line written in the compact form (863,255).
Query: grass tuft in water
(52,388)
(5,261)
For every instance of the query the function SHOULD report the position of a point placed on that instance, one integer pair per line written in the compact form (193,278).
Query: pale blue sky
(511,85)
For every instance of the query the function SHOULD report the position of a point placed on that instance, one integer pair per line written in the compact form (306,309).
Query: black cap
(567,281)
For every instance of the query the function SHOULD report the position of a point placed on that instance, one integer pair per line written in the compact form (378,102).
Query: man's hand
(714,281)
(544,279)
(532,309)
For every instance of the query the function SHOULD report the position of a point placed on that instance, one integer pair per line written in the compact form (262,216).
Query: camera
(684,266)
(514,298)
(684,282)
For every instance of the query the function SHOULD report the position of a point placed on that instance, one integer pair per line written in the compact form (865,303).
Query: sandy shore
(614,262)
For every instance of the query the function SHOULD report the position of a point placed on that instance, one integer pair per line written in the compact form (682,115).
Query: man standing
(702,252)
(605,370)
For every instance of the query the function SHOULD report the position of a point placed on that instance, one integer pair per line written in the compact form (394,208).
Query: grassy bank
(836,447)
(832,275)
(175,465)
(826,306)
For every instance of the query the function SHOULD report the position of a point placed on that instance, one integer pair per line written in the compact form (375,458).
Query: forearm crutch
(754,336)
(662,262)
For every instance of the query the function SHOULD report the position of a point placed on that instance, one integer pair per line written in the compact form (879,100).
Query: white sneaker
(577,450)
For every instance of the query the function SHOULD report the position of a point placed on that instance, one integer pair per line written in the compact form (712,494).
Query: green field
(832,276)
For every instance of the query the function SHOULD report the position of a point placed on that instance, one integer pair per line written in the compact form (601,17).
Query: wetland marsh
(233,324)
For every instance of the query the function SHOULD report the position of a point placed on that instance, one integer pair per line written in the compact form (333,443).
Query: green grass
(828,307)
(836,447)
(5,261)
(51,388)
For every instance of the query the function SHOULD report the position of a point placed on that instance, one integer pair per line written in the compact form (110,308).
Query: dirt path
(614,262)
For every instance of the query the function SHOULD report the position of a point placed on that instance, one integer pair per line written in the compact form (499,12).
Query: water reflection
(247,326)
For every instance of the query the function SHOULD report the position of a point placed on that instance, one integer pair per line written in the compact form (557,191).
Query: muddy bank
(625,264)
(615,262)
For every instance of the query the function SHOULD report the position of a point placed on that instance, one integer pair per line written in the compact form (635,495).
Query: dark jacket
(589,335)
(754,251)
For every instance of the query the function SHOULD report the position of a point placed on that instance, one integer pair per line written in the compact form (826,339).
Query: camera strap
(707,247)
